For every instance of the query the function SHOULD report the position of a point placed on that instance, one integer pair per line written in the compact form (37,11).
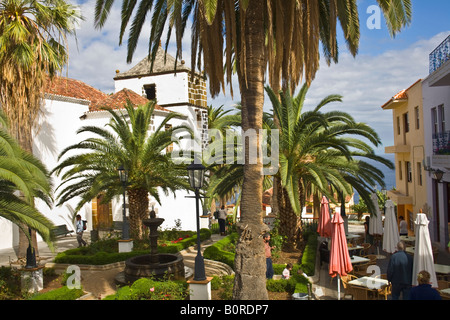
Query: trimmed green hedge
(296,284)
(216,251)
(63,293)
(149,289)
(96,254)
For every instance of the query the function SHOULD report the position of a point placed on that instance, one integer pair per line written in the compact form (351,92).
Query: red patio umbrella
(324,227)
(340,262)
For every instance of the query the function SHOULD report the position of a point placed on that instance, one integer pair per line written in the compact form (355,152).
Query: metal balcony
(440,55)
(441,143)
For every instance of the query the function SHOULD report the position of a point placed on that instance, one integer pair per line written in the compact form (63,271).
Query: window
(398,126)
(408,171)
(150,91)
(434,121)
(417,114)
(406,122)
(442,118)
(400,174)
(419,173)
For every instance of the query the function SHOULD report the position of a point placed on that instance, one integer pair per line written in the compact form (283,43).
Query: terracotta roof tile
(72,88)
(402,95)
(119,99)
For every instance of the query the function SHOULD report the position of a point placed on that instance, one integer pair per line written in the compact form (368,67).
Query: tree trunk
(250,266)
(138,210)
(290,224)
(23,135)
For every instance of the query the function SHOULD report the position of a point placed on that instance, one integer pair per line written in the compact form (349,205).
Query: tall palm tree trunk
(250,266)
(23,135)
(290,224)
(138,205)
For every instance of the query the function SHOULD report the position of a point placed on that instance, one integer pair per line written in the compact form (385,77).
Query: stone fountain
(156,265)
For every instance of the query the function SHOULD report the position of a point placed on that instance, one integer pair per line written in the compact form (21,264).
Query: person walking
(222,219)
(399,273)
(79,231)
(268,252)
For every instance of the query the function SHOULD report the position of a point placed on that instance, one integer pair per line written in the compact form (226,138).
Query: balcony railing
(441,143)
(440,55)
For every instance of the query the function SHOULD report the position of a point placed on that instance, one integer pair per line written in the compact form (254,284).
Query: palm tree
(22,172)
(32,50)
(143,154)
(318,150)
(241,29)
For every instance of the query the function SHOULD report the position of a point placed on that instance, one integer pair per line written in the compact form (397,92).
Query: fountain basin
(170,265)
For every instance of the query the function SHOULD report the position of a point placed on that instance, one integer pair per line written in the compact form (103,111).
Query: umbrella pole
(339,287)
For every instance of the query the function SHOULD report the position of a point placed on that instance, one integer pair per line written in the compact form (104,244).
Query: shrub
(296,283)
(63,293)
(10,287)
(106,251)
(218,251)
(225,284)
(149,289)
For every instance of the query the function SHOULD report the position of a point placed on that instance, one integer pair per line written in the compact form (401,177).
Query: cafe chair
(386,290)
(442,284)
(365,250)
(348,288)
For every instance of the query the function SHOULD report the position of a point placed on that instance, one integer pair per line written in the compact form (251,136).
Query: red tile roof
(119,99)
(402,95)
(72,88)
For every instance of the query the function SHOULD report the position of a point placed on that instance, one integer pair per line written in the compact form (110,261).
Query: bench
(61,230)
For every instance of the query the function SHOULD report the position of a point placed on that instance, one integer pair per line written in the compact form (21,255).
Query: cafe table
(443,270)
(445,293)
(358,259)
(408,239)
(366,288)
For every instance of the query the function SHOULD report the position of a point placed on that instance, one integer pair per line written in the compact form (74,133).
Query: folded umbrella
(324,227)
(391,234)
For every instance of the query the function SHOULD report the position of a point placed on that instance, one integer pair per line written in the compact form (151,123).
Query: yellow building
(410,194)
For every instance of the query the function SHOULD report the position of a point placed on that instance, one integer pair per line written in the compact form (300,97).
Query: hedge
(149,289)
(63,293)
(216,251)
(93,256)
(296,284)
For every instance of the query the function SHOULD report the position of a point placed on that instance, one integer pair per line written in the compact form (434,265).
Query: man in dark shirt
(399,272)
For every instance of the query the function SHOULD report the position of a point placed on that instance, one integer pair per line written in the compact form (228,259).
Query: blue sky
(383,66)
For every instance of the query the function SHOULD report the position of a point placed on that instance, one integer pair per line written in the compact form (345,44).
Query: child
(287,271)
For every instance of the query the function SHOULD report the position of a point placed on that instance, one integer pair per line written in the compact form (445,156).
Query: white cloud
(366,82)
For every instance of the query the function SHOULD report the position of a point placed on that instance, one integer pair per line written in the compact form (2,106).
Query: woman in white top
(403,226)
(222,217)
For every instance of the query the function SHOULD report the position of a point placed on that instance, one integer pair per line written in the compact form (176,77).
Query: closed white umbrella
(391,234)
(423,253)
(376,224)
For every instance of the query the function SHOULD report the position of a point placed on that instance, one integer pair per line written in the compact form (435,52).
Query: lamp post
(438,175)
(123,175)
(196,176)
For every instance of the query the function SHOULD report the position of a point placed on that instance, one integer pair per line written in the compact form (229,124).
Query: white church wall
(56,131)
(170,88)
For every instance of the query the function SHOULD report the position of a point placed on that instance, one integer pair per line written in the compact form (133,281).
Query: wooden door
(104,214)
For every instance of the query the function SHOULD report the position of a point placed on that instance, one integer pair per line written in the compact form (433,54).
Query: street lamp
(123,175)
(438,175)
(196,176)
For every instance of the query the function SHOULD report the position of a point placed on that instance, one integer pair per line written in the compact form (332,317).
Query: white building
(436,111)
(71,104)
